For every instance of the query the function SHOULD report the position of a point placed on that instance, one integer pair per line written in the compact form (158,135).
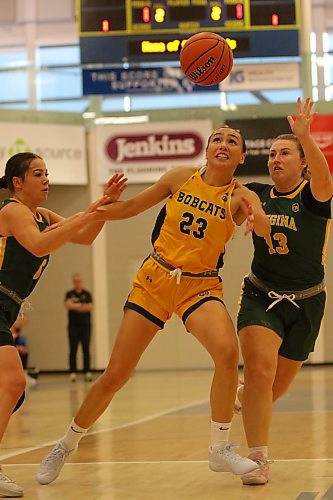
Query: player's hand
(93,207)
(88,214)
(115,186)
(247,209)
(300,123)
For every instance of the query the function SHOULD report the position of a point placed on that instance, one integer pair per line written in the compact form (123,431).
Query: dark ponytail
(3,182)
(17,166)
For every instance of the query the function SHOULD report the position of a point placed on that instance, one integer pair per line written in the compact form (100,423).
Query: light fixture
(121,120)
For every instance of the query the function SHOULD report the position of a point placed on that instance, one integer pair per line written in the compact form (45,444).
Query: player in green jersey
(25,245)
(283,296)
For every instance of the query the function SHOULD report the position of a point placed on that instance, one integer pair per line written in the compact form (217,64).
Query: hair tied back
(3,182)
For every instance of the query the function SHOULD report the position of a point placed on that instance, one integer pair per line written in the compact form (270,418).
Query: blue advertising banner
(160,80)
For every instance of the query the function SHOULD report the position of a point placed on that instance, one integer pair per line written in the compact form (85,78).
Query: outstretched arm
(164,187)
(113,189)
(321,180)
(20,223)
(248,207)
(87,234)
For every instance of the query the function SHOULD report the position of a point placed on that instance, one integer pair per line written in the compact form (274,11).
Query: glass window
(13,59)
(111,104)
(59,83)
(15,105)
(330,42)
(59,78)
(13,77)
(239,98)
(14,86)
(59,55)
(195,100)
(74,106)
(280,96)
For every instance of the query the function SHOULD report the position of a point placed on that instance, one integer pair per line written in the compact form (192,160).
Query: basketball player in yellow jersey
(181,276)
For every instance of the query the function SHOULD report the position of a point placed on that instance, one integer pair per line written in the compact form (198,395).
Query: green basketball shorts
(298,327)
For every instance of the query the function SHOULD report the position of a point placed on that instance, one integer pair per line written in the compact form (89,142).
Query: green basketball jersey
(294,256)
(20,270)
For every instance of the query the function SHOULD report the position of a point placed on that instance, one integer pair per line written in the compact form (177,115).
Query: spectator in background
(79,304)
(31,374)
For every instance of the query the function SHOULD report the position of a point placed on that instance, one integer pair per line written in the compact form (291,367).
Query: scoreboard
(117,31)
(115,17)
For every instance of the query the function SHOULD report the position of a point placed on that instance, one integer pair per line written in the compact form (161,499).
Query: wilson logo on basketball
(154,146)
(201,70)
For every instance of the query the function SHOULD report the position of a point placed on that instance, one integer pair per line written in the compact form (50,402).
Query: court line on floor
(108,429)
(138,462)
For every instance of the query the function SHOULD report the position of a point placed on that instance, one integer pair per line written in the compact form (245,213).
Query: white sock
(261,449)
(219,433)
(73,435)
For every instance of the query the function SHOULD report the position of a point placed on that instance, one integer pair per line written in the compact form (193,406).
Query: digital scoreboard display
(139,28)
(164,16)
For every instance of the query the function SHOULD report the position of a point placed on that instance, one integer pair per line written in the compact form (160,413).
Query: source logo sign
(145,152)
(19,146)
(61,146)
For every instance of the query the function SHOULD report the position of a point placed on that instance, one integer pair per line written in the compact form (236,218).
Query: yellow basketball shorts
(156,295)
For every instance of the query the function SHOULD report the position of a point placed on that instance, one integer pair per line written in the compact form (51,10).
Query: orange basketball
(206,58)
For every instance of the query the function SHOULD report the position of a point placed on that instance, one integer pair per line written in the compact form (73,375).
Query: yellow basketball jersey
(194,225)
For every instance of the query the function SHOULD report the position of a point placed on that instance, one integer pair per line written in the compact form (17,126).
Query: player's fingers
(291,120)
(115,178)
(299,105)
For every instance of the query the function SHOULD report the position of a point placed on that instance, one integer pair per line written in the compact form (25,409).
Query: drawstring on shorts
(280,296)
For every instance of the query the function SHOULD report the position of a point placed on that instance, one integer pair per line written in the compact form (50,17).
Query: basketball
(206,59)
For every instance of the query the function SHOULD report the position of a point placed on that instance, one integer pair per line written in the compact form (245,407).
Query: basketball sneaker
(52,464)
(226,460)
(8,488)
(88,377)
(72,377)
(260,474)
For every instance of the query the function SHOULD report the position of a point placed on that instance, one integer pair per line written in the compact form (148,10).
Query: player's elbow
(38,251)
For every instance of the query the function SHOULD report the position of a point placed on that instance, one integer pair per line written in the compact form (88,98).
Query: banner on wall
(145,152)
(144,80)
(262,76)
(322,130)
(61,146)
(259,135)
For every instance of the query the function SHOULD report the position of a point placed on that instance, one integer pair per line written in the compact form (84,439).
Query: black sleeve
(320,208)
(257,187)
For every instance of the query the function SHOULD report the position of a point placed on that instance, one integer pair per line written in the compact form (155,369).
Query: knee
(227,356)
(259,373)
(14,387)
(114,378)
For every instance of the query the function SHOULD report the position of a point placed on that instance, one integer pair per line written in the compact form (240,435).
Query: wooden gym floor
(151,444)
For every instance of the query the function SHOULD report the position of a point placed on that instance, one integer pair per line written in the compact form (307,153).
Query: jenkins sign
(141,148)
(145,152)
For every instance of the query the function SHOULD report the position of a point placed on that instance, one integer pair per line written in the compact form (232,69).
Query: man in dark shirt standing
(79,304)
